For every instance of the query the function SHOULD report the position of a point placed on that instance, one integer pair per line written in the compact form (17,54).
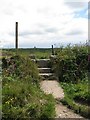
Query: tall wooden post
(52,50)
(16,35)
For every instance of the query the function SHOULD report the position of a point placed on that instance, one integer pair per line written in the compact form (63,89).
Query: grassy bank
(21,94)
(77,97)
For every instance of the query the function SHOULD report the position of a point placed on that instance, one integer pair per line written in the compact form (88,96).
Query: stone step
(44,70)
(43,63)
(47,76)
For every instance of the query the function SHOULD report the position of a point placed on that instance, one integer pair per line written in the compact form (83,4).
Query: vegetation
(71,64)
(77,97)
(71,68)
(21,94)
(40,53)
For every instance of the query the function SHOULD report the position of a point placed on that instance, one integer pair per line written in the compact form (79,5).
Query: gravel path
(53,87)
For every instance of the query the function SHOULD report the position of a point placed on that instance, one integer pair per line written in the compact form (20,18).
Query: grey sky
(43,22)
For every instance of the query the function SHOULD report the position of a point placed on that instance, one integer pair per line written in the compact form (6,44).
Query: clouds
(77,5)
(38,32)
(42,22)
(26,33)
(75,32)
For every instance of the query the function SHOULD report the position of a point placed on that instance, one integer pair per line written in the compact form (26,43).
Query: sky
(42,23)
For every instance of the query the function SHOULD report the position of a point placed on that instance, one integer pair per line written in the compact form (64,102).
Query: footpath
(51,86)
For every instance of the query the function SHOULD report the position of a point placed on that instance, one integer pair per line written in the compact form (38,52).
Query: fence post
(16,35)
(52,50)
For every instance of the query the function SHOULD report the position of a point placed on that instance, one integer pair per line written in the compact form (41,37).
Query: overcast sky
(43,22)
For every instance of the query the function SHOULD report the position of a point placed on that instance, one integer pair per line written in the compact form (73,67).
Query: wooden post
(16,35)
(52,50)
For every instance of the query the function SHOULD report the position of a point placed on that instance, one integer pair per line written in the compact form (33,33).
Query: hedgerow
(71,64)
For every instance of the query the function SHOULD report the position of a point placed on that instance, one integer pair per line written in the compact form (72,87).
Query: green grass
(22,99)
(21,94)
(77,97)
(40,53)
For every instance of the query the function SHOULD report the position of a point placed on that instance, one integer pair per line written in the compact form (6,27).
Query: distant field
(38,52)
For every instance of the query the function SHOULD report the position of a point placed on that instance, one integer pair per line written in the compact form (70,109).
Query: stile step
(43,63)
(44,70)
(47,76)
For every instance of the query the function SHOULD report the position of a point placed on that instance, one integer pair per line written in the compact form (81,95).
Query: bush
(71,64)
(20,67)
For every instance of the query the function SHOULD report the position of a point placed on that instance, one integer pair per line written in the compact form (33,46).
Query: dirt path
(53,87)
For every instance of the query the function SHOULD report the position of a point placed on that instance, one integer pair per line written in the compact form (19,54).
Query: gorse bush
(71,64)
(21,94)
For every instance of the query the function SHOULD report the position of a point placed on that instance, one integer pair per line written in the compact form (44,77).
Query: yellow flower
(7,102)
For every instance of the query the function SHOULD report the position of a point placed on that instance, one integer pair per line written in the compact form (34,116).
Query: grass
(77,97)
(21,94)
(40,53)
(22,99)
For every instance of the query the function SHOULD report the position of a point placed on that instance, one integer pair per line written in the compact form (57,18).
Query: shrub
(21,67)
(71,64)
